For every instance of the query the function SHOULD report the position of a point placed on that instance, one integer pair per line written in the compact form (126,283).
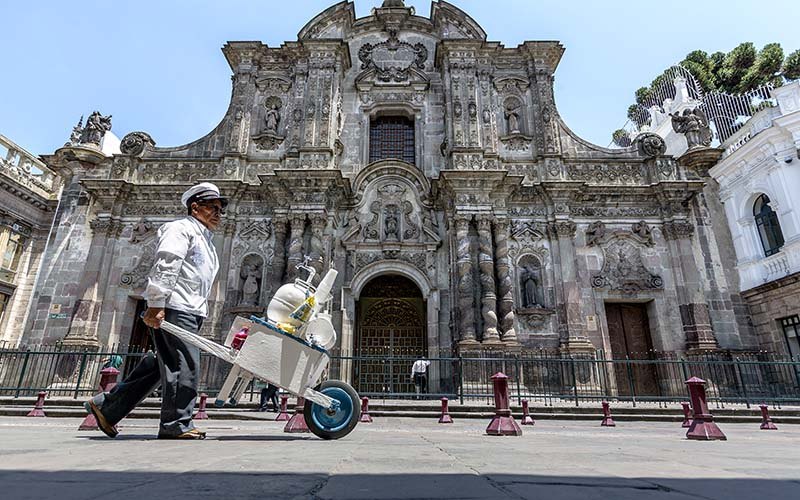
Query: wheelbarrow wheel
(329,424)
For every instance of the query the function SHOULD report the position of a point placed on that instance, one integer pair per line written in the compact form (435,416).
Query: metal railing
(540,377)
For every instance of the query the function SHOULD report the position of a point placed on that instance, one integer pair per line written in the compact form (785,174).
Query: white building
(759,184)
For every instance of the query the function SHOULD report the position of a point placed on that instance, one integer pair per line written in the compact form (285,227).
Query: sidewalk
(398,458)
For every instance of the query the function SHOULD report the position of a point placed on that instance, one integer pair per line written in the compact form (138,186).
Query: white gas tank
(288,298)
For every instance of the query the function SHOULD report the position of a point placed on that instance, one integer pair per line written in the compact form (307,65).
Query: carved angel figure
(693,123)
(642,229)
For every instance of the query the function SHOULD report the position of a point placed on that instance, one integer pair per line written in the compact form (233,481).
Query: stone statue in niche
(273,116)
(512,116)
(531,284)
(391,223)
(251,274)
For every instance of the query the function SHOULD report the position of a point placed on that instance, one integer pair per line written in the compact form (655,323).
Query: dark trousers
(421,382)
(175,368)
(269,393)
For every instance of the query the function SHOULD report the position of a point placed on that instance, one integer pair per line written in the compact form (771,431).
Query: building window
(769,229)
(391,137)
(791,332)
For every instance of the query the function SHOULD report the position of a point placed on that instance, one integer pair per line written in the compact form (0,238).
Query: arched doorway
(390,335)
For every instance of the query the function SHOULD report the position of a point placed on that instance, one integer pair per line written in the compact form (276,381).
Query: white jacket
(185,268)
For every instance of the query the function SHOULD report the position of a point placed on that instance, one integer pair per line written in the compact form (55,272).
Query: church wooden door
(629,336)
(391,336)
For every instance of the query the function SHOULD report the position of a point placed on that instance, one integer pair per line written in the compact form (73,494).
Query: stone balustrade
(25,169)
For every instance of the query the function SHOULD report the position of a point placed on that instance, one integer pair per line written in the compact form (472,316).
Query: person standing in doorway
(177,291)
(419,374)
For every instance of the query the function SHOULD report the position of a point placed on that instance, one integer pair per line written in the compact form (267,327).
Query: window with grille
(391,137)
(791,333)
(769,228)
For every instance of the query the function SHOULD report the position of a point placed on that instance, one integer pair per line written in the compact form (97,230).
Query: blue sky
(156,66)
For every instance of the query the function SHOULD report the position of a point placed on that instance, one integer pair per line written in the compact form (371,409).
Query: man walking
(177,292)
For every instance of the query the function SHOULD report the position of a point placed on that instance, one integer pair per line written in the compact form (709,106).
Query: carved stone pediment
(393,60)
(624,270)
(517,142)
(597,234)
(268,141)
(533,318)
(527,230)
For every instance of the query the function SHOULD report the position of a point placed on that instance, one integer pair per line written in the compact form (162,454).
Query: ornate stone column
(466,323)
(505,285)
(575,341)
(298,225)
(488,294)
(317,250)
(279,257)
(694,309)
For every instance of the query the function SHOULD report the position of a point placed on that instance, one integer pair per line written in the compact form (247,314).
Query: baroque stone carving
(136,277)
(643,231)
(624,270)
(650,144)
(96,127)
(505,287)
(270,138)
(693,124)
(141,231)
(135,143)
(464,269)
(486,268)
(392,59)
(677,230)
(411,230)
(251,273)
(595,233)
(371,229)
(603,173)
(391,225)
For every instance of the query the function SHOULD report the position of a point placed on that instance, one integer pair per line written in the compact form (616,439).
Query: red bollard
(38,409)
(503,423)
(766,422)
(703,427)
(108,379)
(607,420)
(526,414)
(445,417)
(201,411)
(365,416)
(687,415)
(298,421)
(283,415)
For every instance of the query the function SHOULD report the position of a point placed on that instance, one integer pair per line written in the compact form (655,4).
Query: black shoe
(108,429)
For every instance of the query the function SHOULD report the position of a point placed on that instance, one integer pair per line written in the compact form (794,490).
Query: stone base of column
(697,327)
(469,345)
(578,347)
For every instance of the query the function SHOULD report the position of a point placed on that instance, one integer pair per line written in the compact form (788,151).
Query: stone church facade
(430,166)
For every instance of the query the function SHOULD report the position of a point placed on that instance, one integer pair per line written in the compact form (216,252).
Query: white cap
(203,192)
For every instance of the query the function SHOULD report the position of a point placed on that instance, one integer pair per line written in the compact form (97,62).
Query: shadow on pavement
(69,485)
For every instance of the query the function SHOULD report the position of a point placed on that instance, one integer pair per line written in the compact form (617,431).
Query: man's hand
(153,317)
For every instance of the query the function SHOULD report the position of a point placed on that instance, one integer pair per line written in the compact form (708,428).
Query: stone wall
(769,303)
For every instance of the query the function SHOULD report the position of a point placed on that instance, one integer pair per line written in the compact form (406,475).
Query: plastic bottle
(239,338)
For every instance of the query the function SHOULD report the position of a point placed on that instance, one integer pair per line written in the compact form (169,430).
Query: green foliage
(736,65)
(791,66)
(642,95)
(767,64)
(621,138)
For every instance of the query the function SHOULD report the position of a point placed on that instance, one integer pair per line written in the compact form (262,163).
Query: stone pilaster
(693,307)
(297,224)
(488,293)
(466,323)
(279,224)
(573,341)
(505,285)
(317,248)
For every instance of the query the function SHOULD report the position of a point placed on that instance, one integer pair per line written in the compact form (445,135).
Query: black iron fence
(540,377)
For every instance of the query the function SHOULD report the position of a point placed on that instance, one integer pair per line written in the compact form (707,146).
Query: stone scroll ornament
(135,143)
(392,59)
(650,144)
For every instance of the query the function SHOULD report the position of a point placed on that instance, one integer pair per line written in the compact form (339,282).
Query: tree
(742,69)
(621,138)
(791,66)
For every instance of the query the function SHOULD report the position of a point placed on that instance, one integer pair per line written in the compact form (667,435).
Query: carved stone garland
(624,270)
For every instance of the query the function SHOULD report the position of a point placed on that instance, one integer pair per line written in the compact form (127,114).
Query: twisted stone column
(298,226)
(505,285)
(465,283)
(488,294)
(317,250)
(279,257)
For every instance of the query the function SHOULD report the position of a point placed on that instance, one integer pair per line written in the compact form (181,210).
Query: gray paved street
(397,458)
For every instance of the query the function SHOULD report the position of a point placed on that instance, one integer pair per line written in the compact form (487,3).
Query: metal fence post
(22,372)
(631,383)
(80,374)
(461,378)
(742,382)
(519,377)
(574,380)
